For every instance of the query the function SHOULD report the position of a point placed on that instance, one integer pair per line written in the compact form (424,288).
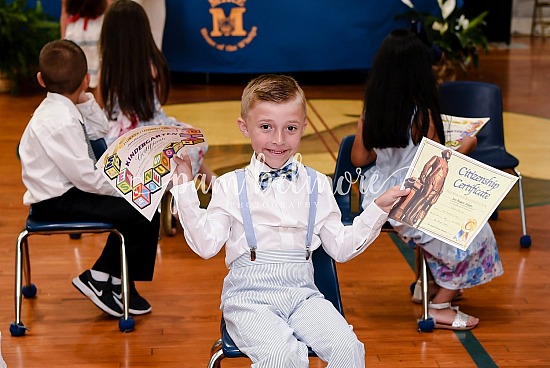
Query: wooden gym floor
(67,330)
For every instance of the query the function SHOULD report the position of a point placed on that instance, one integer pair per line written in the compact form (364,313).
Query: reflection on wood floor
(67,330)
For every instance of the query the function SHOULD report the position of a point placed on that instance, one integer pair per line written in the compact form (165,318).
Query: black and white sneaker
(100,293)
(138,304)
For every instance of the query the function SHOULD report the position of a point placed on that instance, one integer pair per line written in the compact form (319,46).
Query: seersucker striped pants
(273,311)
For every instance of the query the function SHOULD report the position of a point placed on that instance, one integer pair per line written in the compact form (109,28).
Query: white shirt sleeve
(205,230)
(95,119)
(345,242)
(68,149)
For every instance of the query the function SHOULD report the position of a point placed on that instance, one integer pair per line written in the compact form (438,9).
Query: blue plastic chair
(22,261)
(345,182)
(326,280)
(477,100)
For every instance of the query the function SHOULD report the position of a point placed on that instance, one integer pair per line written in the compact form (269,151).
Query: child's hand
(468,145)
(83,97)
(390,197)
(183,171)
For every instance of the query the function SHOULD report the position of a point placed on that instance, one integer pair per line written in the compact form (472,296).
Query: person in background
(401,106)
(156,12)
(155,9)
(81,24)
(62,183)
(135,80)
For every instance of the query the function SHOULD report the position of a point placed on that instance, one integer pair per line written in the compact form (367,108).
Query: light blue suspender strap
(247,219)
(313,192)
(245,212)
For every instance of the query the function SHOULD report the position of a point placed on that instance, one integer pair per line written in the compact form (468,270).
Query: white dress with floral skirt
(451,267)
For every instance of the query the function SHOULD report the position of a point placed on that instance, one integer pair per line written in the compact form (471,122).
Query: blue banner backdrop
(261,36)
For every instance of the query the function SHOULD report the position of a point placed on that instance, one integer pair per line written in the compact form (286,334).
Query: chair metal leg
(216,346)
(425,323)
(126,323)
(19,276)
(17,328)
(23,267)
(29,289)
(425,297)
(215,359)
(26,262)
(525,240)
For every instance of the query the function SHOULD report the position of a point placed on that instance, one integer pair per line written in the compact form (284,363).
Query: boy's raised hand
(183,172)
(387,200)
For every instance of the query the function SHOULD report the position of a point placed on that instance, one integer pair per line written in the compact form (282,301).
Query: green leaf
(478,21)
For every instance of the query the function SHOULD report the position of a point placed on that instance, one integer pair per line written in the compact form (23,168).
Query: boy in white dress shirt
(58,170)
(272,308)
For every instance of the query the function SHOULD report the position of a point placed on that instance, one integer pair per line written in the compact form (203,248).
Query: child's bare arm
(389,197)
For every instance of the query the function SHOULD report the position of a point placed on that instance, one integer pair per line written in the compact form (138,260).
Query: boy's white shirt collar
(256,166)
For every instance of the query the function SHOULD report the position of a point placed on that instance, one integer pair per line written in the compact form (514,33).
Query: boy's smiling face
(275,130)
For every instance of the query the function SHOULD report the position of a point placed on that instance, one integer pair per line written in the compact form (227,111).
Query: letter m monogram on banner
(227,23)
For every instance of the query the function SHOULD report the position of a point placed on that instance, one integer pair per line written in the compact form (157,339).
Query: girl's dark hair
(86,8)
(401,88)
(133,69)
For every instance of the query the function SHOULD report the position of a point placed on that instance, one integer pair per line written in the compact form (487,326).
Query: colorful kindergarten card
(452,195)
(139,163)
(456,128)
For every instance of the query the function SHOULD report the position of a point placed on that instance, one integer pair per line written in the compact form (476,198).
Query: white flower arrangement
(459,38)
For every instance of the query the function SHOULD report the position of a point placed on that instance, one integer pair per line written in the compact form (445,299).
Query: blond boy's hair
(270,88)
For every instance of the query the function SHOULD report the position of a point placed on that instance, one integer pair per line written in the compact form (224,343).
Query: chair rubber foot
(17,329)
(126,325)
(29,291)
(426,325)
(525,241)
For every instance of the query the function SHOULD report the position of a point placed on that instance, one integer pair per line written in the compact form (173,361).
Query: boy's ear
(40,80)
(243,127)
(85,82)
(304,126)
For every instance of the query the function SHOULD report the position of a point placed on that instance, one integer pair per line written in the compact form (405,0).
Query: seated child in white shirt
(58,170)
(272,308)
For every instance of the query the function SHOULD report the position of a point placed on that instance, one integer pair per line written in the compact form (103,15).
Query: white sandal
(460,322)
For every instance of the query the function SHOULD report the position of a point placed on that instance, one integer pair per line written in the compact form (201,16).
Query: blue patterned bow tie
(289,172)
